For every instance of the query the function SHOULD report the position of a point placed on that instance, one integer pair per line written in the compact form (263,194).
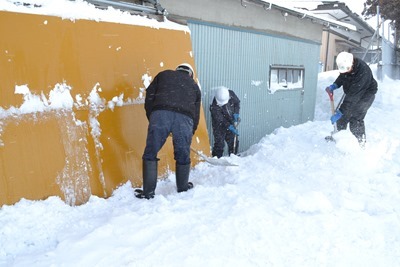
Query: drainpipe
(380,67)
(327,49)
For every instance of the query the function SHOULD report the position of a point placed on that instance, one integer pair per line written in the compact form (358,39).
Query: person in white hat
(359,87)
(225,117)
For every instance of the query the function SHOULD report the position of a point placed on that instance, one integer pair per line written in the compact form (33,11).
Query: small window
(286,77)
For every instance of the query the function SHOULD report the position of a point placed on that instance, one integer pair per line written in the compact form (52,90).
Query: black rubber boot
(182,178)
(149,180)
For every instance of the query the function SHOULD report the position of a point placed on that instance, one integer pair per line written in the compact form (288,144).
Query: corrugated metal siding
(390,68)
(240,60)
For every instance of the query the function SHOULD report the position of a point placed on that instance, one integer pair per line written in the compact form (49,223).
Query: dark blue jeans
(161,124)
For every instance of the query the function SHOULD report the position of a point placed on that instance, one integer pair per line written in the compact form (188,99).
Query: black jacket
(222,117)
(175,91)
(358,84)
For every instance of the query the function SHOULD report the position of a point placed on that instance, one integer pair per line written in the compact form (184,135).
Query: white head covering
(222,96)
(185,67)
(344,62)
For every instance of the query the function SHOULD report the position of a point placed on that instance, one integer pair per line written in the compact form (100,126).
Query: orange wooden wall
(92,147)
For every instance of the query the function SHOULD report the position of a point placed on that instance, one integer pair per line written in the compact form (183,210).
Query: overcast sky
(356,6)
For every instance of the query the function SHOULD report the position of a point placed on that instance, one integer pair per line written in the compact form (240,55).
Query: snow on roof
(309,5)
(307,14)
(79,9)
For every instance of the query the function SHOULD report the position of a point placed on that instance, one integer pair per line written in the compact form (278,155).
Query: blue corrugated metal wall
(240,60)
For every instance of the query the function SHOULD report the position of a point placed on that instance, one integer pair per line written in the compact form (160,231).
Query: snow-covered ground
(294,200)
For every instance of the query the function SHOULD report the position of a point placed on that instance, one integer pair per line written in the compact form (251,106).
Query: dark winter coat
(358,85)
(175,91)
(222,117)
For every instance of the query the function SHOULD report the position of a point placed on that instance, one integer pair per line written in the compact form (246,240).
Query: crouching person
(172,106)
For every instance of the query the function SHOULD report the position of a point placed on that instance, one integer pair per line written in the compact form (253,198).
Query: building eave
(302,14)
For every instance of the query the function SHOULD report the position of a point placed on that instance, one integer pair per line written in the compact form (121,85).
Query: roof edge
(303,14)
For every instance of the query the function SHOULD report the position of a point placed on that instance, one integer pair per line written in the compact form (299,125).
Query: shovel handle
(330,94)
(332,107)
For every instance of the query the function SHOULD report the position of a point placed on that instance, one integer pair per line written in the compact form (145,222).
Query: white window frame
(286,77)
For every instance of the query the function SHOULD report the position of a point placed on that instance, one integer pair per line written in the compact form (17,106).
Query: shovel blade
(214,161)
(219,162)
